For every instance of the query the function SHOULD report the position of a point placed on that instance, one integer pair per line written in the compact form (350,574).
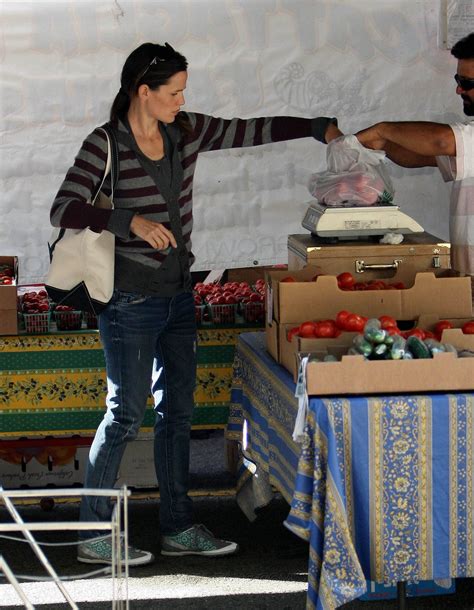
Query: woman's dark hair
(149,64)
(464,48)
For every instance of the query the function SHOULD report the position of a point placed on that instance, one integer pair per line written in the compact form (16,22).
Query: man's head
(463,51)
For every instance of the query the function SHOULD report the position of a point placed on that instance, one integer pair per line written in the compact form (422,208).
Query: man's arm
(407,158)
(371,138)
(410,143)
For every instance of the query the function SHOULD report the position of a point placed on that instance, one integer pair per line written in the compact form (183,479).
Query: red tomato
(355,323)
(306,329)
(325,328)
(341,319)
(468,328)
(291,332)
(418,332)
(398,285)
(442,325)
(388,322)
(345,280)
(360,286)
(288,278)
(376,285)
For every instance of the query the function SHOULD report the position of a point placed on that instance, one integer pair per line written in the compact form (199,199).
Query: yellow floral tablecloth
(55,384)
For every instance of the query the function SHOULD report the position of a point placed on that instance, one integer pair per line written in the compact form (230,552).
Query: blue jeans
(149,344)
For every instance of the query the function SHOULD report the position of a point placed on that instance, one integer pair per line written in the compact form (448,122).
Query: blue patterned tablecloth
(382,486)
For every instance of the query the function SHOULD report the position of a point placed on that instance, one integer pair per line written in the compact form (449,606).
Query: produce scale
(339,223)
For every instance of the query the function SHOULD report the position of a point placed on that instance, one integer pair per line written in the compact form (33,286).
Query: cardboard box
(289,350)
(36,474)
(137,468)
(355,375)
(367,259)
(8,300)
(454,335)
(315,300)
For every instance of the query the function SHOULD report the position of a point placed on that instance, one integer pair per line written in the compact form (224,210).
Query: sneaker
(100,551)
(197,540)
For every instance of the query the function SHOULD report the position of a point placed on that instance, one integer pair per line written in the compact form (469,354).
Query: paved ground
(269,572)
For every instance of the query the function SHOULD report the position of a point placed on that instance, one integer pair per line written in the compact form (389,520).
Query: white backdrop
(359,60)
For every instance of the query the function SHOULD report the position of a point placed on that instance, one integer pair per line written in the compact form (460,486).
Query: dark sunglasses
(466,84)
(154,61)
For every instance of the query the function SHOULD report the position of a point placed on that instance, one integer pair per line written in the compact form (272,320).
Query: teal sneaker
(99,550)
(197,540)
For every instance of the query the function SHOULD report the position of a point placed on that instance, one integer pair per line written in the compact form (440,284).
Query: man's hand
(372,138)
(409,144)
(157,235)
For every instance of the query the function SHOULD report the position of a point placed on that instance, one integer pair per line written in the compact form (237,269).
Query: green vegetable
(362,345)
(450,348)
(398,348)
(380,349)
(373,331)
(418,348)
(434,346)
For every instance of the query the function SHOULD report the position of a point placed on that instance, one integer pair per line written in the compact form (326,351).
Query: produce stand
(52,398)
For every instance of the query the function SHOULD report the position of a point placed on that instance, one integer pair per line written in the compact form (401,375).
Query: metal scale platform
(357,222)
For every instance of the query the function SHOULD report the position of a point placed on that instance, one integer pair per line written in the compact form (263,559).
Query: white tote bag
(81,271)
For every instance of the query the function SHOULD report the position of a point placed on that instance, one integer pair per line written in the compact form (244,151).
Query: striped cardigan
(141,189)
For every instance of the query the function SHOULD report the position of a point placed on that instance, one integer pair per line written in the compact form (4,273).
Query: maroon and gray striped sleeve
(70,208)
(211,133)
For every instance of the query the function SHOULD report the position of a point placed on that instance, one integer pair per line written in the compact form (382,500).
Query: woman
(148,330)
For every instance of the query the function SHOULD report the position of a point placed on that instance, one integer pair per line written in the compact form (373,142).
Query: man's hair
(464,48)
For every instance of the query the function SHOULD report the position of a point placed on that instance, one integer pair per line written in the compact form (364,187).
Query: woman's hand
(157,235)
(332,132)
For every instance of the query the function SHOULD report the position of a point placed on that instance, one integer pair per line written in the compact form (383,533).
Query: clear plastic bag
(356,176)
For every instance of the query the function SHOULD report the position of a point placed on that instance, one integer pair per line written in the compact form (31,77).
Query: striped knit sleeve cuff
(119,223)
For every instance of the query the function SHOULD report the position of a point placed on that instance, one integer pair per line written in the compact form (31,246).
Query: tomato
(325,328)
(418,332)
(341,319)
(398,285)
(468,328)
(360,286)
(345,280)
(306,329)
(291,332)
(388,322)
(376,285)
(288,278)
(440,326)
(355,323)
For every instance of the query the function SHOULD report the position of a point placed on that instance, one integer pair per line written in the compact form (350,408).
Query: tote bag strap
(112,165)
